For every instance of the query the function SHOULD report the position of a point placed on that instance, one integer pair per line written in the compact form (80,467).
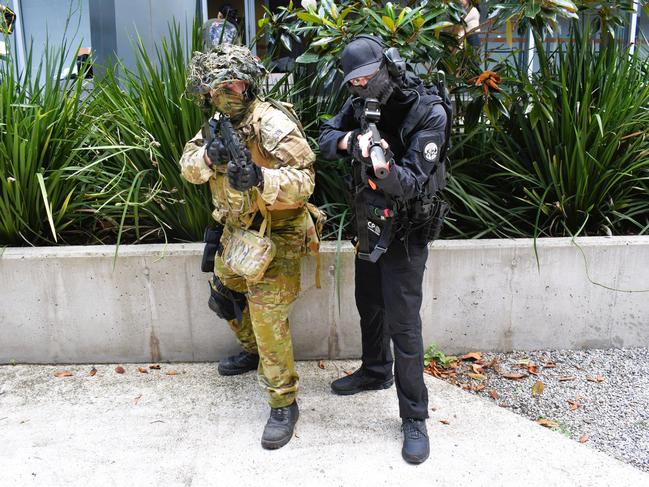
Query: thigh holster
(226,303)
(212,239)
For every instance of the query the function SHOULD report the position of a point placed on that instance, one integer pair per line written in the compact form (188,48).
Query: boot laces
(279,414)
(412,429)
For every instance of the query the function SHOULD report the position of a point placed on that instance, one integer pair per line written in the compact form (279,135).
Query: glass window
(642,33)
(52,21)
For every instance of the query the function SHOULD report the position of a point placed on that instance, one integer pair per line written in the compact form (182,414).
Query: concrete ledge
(70,304)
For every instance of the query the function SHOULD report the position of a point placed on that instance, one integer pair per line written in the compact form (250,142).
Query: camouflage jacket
(278,147)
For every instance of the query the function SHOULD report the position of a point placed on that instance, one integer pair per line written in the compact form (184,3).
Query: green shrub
(142,121)
(573,152)
(43,121)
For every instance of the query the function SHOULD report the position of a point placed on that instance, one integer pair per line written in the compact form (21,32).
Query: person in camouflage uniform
(280,176)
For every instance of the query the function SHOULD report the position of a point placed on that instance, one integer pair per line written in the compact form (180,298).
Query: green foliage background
(564,151)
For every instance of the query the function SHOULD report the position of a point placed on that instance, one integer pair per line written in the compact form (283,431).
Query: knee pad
(227,304)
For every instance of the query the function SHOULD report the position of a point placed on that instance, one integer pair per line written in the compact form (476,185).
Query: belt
(289,213)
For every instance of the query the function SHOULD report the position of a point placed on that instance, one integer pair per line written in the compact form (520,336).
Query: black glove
(244,178)
(216,152)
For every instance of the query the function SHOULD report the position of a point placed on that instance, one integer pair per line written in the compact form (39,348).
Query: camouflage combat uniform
(277,145)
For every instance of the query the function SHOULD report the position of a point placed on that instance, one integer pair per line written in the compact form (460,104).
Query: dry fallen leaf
(348,372)
(476,376)
(119,369)
(491,364)
(524,362)
(155,366)
(444,421)
(514,376)
(479,387)
(171,372)
(63,373)
(583,438)
(574,404)
(143,370)
(548,423)
(549,365)
(477,369)
(471,356)
(93,372)
(321,364)
(533,369)
(565,378)
(537,388)
(597,378)
(493,393)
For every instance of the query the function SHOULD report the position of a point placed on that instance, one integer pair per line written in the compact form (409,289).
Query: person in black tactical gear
(397,211)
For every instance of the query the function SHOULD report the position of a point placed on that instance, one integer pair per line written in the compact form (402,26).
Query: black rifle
(370,115)
(232,142)
(209,124)
(224,129)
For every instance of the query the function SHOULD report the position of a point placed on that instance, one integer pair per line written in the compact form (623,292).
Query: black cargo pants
(388,298)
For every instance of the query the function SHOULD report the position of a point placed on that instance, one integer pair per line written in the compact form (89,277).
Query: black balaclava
(381,86)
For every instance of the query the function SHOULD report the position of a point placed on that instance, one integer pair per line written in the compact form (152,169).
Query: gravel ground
(598,397)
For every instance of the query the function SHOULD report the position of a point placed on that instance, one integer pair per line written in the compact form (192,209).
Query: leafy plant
(432,354)
(574,150)
(143,120)
(43,118)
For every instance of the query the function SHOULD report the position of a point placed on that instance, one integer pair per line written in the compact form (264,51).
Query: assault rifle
(224,129)
(232,142)
(209,124)
(370,115)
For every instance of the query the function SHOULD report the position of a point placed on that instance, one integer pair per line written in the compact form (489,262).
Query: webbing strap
(266,223)
(363,232)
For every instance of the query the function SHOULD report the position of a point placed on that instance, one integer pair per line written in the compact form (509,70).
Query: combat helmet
(223,62)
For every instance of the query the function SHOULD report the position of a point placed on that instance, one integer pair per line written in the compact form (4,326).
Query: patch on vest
(274,127)
(431,151)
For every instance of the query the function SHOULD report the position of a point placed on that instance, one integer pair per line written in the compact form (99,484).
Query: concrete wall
(70,305)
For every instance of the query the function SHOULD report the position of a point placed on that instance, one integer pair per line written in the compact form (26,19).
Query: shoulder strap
(287,109)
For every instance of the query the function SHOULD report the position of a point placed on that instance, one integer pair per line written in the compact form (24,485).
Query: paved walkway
(198,429)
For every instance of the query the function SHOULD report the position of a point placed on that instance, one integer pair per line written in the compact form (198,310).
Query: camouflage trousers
(265,328)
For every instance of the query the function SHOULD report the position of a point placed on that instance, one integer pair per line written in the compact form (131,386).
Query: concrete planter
(68,304)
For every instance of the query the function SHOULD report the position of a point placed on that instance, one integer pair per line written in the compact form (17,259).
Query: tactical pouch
(374,219)
(248,253)
(433,227)
(212,239)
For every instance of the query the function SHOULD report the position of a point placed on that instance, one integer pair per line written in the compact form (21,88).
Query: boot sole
(224,371)
(350,392)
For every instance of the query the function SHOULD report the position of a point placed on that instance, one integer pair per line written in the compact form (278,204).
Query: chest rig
(379,218)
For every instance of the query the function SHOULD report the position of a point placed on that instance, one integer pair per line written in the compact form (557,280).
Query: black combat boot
(239,364)
(416,447)
(359,381)
(279,428)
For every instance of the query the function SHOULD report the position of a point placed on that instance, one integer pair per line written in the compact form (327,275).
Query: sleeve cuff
(271,186)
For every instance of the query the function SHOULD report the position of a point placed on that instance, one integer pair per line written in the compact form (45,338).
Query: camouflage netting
(223,63)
